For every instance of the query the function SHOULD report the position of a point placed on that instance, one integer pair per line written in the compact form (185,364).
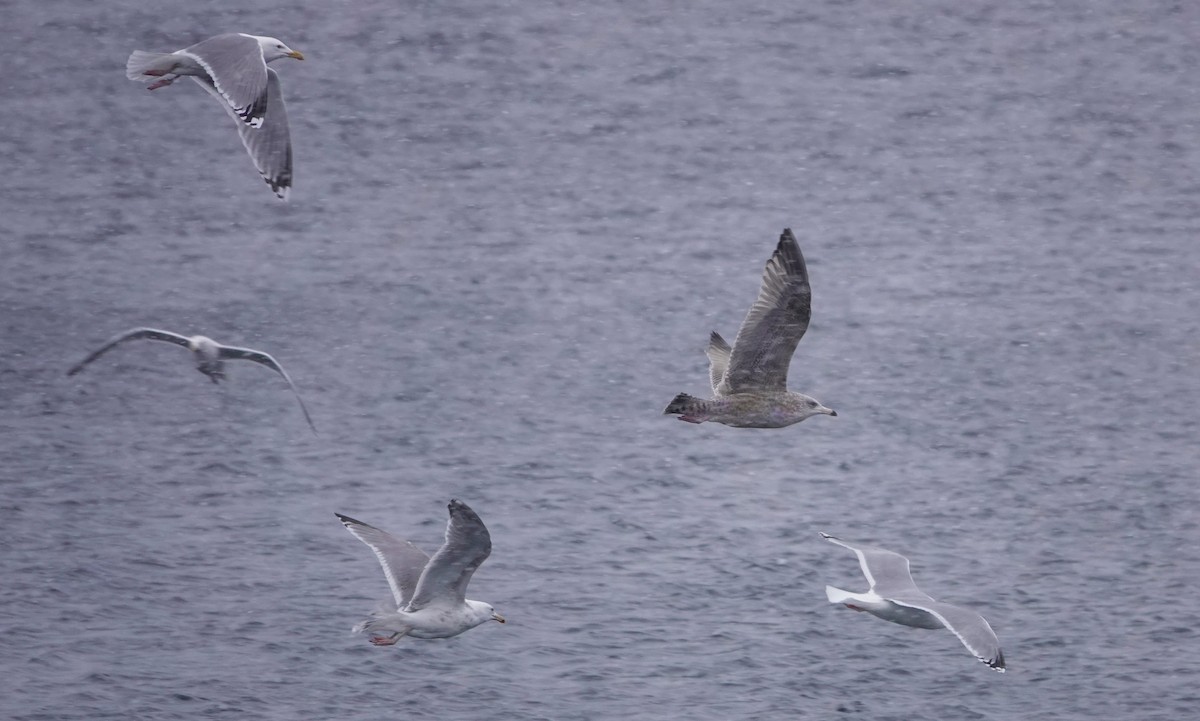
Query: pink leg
(691,419)
(386,640)
(162,83)
(155,73)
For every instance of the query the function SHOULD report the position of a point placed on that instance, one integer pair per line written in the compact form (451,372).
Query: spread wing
(971,628)
(887,572)
(718,360)
(776,322)
(269,144)
(232,353)
(238,71)
(402,561)
(136,333)
(445,578)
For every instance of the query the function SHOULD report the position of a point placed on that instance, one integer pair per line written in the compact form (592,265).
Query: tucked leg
(166,80)
(388,640)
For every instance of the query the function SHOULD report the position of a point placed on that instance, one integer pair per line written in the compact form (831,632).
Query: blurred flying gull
(749,380)
(233,68)
(893,596)
(430,593)
(210,357)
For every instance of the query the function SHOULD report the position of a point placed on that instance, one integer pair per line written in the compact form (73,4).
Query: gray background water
(513,227)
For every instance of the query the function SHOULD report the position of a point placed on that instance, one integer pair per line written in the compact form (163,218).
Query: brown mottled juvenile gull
(233,68)
(893,596)
(749,380)
(210,357)
(430,593)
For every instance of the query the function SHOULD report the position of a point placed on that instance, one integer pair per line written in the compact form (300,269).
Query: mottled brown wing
(767,339)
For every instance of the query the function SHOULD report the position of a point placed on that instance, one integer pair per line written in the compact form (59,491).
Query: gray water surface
(512,229)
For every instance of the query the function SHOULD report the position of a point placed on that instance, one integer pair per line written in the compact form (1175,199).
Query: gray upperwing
(235,64)
(228,352)
(778,319)
(971,628)
(402,561)
(269,145)
(887,572)
(467,545)
(135,334)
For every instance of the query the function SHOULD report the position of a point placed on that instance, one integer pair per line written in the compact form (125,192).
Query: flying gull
(210,357)
(893,596)
(749,380)
(430,593)
(233,68)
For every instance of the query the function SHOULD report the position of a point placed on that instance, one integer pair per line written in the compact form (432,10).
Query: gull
(210,357)
(893,596)
(233,69)
(749,380)
(430,593)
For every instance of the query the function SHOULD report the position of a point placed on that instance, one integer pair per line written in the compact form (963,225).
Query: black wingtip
(998,662)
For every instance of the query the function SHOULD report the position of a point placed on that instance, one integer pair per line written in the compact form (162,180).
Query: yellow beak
(296,54)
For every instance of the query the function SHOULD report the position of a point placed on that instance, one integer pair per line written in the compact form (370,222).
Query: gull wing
(971,628)
(445,578)
(401,560)
(269,144)
(228,352)
(887,572)
(767,339)
(135,334)
(238,72)
(718,360)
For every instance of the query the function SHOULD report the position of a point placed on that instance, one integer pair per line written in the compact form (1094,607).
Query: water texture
(512,229)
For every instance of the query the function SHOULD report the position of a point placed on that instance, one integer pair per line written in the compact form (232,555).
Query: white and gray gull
(233,68)
(749,380)
(210,357)
(894,596)
(430,593)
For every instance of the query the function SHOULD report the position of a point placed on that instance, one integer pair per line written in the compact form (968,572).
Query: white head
(204,346)
(274,49)
(484,612)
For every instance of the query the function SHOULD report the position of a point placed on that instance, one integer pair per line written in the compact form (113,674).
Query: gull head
(810,407)
(204,347)
(274,49)
(483,612)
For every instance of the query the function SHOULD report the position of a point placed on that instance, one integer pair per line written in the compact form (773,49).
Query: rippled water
(513,227)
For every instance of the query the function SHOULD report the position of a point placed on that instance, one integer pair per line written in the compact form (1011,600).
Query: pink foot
(160,84)
(691,419)
(383,640)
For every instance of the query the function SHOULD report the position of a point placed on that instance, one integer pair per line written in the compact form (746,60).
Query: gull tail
(384,620)
(144,67)
(688,408)
(837,595)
